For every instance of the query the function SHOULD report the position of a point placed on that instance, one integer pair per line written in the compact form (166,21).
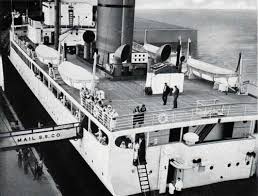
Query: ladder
(205,131)
(143,178)
(70,16)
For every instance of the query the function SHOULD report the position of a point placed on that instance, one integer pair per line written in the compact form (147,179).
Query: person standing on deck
(136,112)
(165,94)
(141,115)
(176,94)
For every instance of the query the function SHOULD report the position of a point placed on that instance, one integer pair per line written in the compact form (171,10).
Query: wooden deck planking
(124,96)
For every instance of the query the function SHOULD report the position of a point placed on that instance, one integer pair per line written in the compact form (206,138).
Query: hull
(221,161)
(97,157)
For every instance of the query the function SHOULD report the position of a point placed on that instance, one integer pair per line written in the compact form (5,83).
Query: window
(124,142)
(100,135)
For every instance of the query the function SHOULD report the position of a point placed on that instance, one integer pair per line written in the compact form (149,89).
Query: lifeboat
(47,55)
(75,76)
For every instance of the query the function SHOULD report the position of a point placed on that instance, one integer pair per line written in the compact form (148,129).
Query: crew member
(136,114)
(141,115)
(176,94)
(165,94)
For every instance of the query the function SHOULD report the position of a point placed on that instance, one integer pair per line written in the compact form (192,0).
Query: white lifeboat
(47,55)
(75,76)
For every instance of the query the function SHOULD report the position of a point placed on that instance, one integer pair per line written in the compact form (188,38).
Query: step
(141,175)
(145,190)
(145,186)
(143,178)
(143,183)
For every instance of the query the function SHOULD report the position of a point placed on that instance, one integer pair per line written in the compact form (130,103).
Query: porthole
(229,164)
(211,167)
(237,164)
(247,163)
(221,177)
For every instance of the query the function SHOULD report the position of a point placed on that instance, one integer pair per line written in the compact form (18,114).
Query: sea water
(222,34)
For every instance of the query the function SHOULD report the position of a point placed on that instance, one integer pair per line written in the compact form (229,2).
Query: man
(165,94)
(179,185)
(141,115)
(176,94)
(136,112)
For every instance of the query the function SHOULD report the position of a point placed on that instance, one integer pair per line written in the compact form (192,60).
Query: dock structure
(13,179)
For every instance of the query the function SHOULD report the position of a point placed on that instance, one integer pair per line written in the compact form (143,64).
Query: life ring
(163,118)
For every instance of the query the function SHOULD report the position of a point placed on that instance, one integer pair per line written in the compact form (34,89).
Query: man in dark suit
(165,94)
(176,94)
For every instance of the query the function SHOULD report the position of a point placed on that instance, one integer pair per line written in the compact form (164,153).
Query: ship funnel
(160,54)
(115,27)
(122,53)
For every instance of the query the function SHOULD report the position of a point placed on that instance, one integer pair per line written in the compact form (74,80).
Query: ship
(82,64)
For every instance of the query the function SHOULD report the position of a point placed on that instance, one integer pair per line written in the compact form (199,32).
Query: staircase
(205,132)
(143,179)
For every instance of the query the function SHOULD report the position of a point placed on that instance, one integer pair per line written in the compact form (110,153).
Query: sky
(196,4)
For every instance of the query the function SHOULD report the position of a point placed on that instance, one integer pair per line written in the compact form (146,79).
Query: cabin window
(54,91)
(76,112)
(85,122)
(124,142)
(45,81)
(100,135)
(158,137)
(68,104)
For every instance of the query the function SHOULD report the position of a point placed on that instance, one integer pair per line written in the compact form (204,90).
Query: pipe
(57,23)
(178,51)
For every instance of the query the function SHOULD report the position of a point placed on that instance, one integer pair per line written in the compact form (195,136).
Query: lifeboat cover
(74,75)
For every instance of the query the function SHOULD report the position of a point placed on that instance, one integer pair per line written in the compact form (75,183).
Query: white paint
(1,72)
(61,115)
(156,82)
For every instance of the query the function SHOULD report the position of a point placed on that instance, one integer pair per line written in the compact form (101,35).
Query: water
(221,35)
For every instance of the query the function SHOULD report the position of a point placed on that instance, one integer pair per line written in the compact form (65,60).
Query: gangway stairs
(14,139)
(143,179)
(203,131)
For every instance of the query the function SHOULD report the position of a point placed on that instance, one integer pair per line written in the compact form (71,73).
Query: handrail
(192,107)
(186,114)
(58,87)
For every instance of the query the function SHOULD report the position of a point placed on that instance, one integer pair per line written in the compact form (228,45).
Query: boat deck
(125,95)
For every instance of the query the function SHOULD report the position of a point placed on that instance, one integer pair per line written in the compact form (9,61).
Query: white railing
(187,114)
(74,105)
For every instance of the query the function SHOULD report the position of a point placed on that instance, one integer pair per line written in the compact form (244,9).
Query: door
(163,170)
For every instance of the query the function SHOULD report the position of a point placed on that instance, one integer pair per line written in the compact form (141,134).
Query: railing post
(228,110)
(193,113)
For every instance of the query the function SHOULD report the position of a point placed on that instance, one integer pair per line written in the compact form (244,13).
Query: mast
(57,22)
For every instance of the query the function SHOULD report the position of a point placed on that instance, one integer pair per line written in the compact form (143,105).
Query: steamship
(82,64)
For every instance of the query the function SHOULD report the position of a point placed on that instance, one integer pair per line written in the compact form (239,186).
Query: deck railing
(186,114)
(150,118)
